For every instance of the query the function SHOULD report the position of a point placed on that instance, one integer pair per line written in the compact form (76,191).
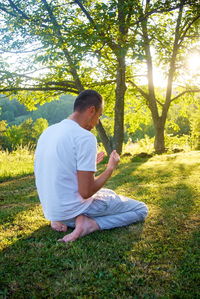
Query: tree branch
(111,44)
(20,14)
(15,89)
(173,60)
(147,14)
(21,52)
(85,12)
(65,83)
(141,91)
(57,31)
(7,11)
(15,7)
(49,67)
(102,83)
(187,28)
(184,92)
(148,57)
(20,75)
(161,104)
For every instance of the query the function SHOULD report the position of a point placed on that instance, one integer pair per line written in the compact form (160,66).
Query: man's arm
(89,185)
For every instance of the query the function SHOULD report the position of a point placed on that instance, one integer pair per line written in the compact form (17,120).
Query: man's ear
(92,110)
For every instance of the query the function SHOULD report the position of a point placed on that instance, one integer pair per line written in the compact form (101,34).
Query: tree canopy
(110,46)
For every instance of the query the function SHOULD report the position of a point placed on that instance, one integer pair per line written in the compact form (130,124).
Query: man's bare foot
(84,226)
(58,226)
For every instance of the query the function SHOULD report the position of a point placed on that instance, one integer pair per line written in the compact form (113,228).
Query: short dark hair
(87,98)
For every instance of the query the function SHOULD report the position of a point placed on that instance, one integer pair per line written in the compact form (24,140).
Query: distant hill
(15,113)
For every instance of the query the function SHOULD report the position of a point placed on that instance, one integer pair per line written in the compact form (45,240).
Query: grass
(16,164)
(155,259)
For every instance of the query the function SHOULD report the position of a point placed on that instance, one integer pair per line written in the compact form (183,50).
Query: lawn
(155,259)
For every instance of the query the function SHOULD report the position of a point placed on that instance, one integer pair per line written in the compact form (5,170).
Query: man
(65,163)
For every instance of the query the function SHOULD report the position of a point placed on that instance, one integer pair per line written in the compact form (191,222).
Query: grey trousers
(110,210)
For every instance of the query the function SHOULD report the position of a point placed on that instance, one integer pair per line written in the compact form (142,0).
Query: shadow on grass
(16,196)
(186,278)
(15,181)
(126,171)
(9,213)
(10,177)
(40,266)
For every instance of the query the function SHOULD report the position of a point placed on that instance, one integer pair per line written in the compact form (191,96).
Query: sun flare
(194,62)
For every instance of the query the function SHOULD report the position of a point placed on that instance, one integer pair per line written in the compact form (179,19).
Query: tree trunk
(119,105)
(120,52)
(104,138)
(159,142)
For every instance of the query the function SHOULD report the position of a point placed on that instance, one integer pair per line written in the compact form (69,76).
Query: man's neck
(75,116)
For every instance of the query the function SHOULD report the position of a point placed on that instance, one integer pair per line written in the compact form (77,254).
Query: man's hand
(88,184)
(113,160)
(100,157)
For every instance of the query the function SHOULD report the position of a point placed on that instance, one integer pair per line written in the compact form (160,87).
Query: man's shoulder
(85,136)
(76,129)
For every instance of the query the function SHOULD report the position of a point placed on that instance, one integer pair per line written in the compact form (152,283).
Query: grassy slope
(156,259)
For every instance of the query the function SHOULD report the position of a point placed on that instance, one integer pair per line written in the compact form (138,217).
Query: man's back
(63,149)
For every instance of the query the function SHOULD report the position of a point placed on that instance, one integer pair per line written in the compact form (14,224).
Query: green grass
(16,164)
(155,259)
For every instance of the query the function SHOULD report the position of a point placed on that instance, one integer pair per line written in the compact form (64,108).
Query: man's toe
(64,228)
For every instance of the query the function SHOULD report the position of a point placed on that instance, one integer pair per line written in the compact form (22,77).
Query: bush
(173,143)
(195,132)
(24,135)
(143,145)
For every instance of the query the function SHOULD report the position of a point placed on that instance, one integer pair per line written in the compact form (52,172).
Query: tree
(38,127)
(25,134)
(117,34)
(181,24)
(13,138)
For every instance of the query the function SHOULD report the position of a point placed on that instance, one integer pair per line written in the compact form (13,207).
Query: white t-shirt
(62,149)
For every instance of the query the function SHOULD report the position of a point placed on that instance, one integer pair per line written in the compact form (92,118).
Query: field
(155,259)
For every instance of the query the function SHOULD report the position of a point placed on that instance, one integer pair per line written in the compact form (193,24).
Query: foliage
(195,131)
(97,44)
(14,137)
(4,143)
(25,134)
(3,126)
(174,143)
(181,126)
(38,127)
(146,145)
(181,115)
(155,259)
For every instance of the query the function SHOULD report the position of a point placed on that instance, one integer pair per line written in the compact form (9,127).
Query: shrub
(25,135)
(175,142)
(195,132)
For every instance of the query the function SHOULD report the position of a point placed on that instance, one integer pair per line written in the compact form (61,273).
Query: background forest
(21,127)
